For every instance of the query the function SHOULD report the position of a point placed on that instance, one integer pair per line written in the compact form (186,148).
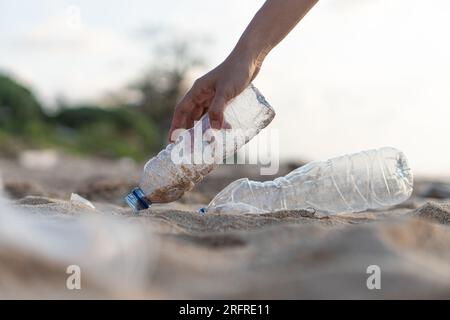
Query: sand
(170,252)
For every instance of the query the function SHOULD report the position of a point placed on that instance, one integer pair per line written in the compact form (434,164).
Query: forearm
(270,25)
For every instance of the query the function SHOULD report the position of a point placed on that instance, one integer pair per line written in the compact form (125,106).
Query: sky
(353,75)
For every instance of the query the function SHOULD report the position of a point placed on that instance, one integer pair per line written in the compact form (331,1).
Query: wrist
(252,54)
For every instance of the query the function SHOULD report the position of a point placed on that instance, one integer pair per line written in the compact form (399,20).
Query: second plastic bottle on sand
(351,183)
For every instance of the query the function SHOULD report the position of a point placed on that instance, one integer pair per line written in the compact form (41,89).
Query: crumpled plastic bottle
(168,175)
(351,183)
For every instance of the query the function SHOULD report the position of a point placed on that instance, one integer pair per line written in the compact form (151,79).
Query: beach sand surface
(171,252)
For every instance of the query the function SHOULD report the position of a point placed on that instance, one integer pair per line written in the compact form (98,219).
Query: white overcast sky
(355,74)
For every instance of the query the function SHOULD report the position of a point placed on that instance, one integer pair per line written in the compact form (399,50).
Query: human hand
(211,93)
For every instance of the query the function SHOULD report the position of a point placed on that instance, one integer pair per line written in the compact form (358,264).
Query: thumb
(216,111)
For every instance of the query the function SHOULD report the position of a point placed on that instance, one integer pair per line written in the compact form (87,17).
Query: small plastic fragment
(79,200)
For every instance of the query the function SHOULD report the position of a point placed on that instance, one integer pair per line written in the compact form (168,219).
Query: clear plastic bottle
(351,183)
(168,175)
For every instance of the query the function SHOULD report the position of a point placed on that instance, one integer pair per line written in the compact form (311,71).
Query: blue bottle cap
(137,201)
(202,211)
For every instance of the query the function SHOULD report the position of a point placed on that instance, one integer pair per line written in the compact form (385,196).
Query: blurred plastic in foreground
(37,251)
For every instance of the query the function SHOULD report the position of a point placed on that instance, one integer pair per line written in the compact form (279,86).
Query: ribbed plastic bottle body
(351,183)
(168,175)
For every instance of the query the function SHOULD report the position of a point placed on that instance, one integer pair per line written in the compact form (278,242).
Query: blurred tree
(111,132)
(19,109)
(133,127)
(162,87)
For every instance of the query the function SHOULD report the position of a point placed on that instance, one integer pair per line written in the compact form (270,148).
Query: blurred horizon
(352,76)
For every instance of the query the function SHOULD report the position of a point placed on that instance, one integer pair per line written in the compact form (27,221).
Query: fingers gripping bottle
(350,183)
(197,151)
